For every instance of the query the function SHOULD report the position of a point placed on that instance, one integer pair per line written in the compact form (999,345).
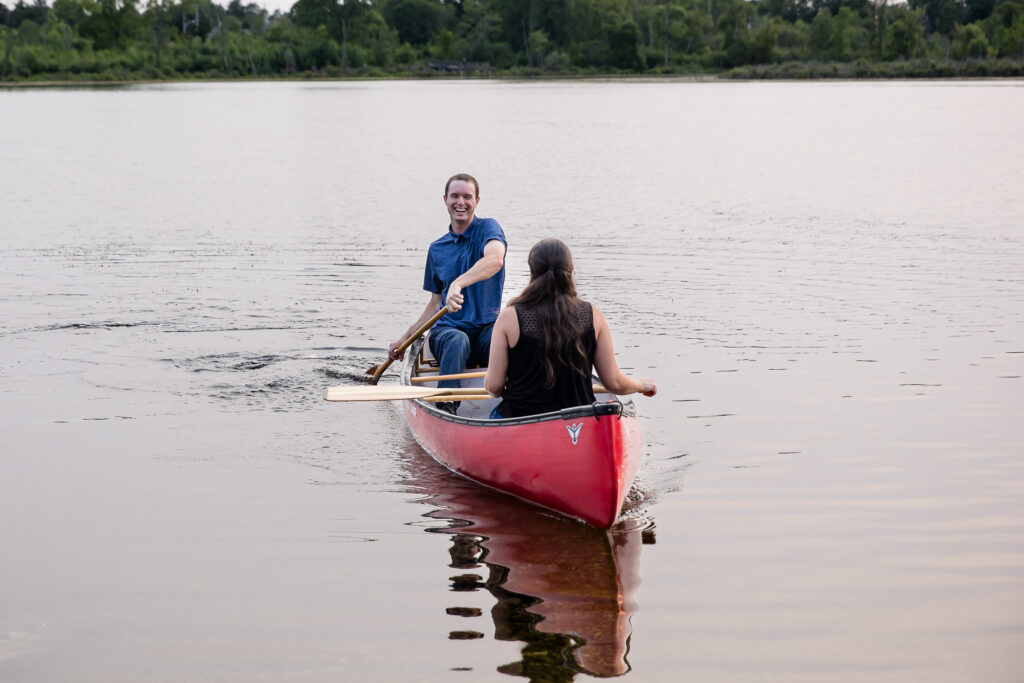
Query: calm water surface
(826,279)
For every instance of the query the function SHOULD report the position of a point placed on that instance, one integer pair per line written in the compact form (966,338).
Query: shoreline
(747,74)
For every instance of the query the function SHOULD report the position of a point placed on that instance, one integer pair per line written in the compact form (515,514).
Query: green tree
(29,32)
(443,45)
(976,10)
(559,19)
(676,27)
(789,11)
(791,43)
(111,23)
(480,28)
(10,37)
(970,42)
(762,50)
(624,45)
(417,21)
(821,37)
(904,36)
(1005,27)
(35,12)
(72,14)
(852,35)
(339,18)
(940,15)
(734,31)
(538,46)
(158,16)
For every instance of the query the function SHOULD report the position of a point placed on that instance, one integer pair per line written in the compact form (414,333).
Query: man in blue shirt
(465,272)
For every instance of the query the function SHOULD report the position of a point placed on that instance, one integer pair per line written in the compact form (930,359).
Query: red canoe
(578,461)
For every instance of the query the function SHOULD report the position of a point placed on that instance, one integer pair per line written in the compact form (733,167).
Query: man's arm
(432,307)
(488,265)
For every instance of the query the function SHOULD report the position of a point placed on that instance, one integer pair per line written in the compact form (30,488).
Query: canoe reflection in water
(563,588)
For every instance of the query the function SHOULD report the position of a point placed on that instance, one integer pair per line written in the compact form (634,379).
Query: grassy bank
(860,69)
(917,68)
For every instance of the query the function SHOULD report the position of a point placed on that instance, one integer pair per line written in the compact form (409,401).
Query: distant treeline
(165,39)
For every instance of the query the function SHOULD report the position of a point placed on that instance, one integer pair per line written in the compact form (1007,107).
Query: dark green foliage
(134,39)
(904,36)
(35,12)
(977,10)
(417,21)
(624,46)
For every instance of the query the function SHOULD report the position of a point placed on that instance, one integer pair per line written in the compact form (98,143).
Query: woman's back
(526,391)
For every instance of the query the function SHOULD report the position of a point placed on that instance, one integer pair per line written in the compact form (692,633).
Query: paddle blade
(377,370)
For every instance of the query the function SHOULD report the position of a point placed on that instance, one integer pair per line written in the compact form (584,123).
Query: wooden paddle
(378,370)
(392,393)
(480,396)
(401,393)
(460,397)
(440,378)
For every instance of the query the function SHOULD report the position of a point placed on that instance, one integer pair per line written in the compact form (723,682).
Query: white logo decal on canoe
(574,431)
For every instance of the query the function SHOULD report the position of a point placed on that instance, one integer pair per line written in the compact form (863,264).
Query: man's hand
(393,353)
(455,298)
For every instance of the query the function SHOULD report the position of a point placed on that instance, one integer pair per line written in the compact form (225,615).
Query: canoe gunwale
(596,410)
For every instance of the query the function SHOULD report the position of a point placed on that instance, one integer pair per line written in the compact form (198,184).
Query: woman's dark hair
(551,297)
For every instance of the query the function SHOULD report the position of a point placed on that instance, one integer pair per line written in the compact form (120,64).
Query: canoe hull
(579,462)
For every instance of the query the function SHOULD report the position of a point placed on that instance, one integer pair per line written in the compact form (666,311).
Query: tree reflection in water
(563,588)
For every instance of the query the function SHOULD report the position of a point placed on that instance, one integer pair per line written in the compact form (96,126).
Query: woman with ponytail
(547,341)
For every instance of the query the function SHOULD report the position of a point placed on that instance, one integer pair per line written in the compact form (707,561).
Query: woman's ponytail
(551,295)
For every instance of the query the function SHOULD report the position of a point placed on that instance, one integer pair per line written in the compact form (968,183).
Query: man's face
(461,201)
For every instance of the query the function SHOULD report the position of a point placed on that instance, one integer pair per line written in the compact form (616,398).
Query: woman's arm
(615,380)
(504,335)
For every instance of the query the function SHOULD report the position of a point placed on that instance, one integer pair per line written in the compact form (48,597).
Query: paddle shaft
(404,393)
(440,378)
(460,397)
(392,392)
(476,395)
(401,349)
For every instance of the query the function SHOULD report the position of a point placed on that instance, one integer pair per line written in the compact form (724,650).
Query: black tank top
(525,393)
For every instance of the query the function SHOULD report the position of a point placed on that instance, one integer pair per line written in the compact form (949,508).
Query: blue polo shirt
(451,256)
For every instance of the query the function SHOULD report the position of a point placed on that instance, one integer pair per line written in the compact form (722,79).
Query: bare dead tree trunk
(527,46)
(159,39)
(666,35)
(248,50)
(880,24)
(7,54)
(344,44)
(222,30)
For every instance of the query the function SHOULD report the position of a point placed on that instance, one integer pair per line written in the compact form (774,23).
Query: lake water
(825,279)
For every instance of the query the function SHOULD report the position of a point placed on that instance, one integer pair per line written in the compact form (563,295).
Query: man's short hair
(464,177)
